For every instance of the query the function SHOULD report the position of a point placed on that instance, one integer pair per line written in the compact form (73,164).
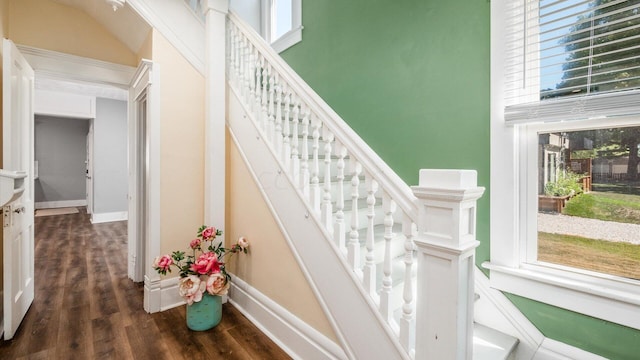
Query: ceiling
(125,24)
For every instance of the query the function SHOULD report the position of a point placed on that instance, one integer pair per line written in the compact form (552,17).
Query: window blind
(572,59)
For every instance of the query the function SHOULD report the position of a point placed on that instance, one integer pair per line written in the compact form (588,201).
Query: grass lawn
(610,202)
(615,258)
(607,206)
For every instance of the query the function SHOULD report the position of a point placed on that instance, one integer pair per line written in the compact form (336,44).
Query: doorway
(143,149)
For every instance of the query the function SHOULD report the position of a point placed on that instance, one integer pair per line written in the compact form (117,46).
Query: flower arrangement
(203,269)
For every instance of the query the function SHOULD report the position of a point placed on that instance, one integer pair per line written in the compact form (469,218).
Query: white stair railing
(373,216)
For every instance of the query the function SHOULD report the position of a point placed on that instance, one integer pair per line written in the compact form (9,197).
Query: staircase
(353,222)
(358,211)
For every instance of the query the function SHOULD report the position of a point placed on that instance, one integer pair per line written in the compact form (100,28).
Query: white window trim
(602,296)
(291,37)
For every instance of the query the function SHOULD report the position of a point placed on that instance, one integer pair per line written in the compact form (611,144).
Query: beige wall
(49,25)
(146,50)
(182,146)
(270,266)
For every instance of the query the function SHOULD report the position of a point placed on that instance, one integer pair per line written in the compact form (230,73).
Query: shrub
(567,184)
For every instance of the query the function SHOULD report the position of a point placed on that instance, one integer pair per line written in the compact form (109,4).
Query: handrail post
(215,110)
(446,244)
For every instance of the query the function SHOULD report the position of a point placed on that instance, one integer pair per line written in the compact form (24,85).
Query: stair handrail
(369,159)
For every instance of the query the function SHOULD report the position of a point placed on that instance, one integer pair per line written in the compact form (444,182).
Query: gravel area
(589,228)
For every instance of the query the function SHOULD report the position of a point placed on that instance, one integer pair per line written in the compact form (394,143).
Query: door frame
(62,66)
(89,168)
(142,252)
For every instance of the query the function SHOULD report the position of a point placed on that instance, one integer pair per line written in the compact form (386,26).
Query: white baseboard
(169,296)
(60,204)
(555,350)
(294,336)
(97,218)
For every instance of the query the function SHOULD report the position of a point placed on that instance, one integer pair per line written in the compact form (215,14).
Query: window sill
(287,40)
(605,297)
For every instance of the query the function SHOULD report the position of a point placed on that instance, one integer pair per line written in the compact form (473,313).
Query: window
(282,23)
(588,194)
(566,120)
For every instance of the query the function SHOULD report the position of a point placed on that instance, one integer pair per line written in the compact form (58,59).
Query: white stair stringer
(353,315)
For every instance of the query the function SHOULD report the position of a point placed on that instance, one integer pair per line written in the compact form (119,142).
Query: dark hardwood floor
(85,307)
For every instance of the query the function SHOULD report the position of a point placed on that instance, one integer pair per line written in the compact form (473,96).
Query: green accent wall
(606,339)
(412,78)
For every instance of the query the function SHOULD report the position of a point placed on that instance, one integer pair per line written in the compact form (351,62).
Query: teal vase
(204,314)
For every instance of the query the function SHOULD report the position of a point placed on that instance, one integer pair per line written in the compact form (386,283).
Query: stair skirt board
(293,335)
(349,311)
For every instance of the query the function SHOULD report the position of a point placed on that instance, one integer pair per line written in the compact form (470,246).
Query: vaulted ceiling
(124,24)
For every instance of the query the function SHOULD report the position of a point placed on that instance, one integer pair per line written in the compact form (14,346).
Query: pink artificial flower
(207,263)
(217,284)
(209,233)
(243,243)
(195,243)
(192,288)
(163,263)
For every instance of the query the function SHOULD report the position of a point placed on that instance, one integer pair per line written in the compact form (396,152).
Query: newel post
(446,244)
(215,111)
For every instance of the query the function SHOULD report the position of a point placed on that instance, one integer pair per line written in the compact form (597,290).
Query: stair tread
(491,344)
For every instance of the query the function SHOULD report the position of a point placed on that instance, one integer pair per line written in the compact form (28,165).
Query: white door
(18,231)
(89,170)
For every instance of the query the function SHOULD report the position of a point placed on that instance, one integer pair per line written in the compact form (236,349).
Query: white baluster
(353,248)
(369,270)
(247,72)
(327,208)
(304,164)
(295,143)
(278,119)
(258,98)
(286,130)
(241,66)
(236,57)
(264,119)
(407,323)
(339,228)
(389,207)
(252,80)
(272,116)
(232,55)
(315,165)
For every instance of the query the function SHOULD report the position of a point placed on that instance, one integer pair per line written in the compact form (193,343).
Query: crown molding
(58,65)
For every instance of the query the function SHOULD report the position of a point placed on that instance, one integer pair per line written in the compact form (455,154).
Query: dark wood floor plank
(85,306)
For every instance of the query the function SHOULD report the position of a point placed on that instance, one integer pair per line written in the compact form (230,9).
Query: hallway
(85,307)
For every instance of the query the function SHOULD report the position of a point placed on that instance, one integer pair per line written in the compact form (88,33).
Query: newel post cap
(221,6)
(448,179)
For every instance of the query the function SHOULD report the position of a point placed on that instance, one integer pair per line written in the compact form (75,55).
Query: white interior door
(18,229)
